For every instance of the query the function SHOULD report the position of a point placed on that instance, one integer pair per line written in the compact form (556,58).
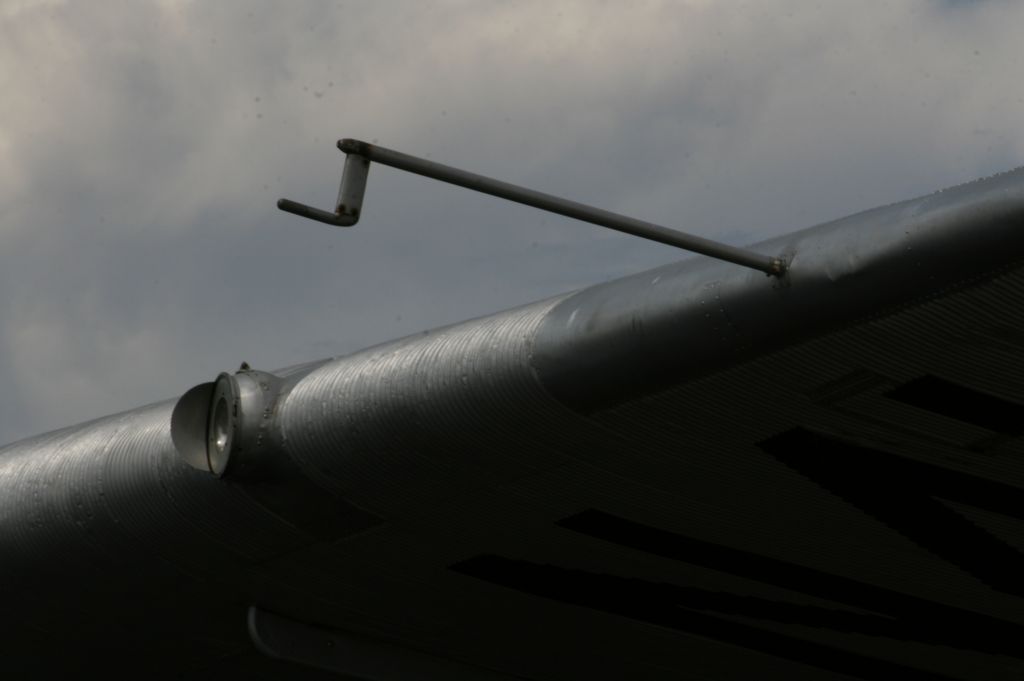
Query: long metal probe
(647,230)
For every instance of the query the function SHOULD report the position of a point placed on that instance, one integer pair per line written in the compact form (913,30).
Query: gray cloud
(142,147)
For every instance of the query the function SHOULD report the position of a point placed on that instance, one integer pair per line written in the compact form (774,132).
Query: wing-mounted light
(224,427)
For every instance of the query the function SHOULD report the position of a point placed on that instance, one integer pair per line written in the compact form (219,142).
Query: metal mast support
(353,185)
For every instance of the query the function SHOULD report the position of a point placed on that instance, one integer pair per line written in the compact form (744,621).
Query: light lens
(220,429)
(221,426)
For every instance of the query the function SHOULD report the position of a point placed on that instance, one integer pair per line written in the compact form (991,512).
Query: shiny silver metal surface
(657,328)
(221,426)
(696,472)
(190,425)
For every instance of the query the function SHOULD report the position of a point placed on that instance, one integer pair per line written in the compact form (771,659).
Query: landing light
(219,431)
(222,422)
(203,424)
(226,427)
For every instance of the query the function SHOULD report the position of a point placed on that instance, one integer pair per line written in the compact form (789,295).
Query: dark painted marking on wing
(964,404)
(902,493)
(896,490)
(905,617)
(678,608)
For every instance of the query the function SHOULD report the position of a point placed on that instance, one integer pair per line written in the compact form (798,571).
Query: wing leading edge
(693,472)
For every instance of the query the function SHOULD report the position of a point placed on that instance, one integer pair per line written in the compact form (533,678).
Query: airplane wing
(696,472)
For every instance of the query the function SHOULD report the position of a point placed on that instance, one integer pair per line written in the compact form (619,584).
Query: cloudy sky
(143,147)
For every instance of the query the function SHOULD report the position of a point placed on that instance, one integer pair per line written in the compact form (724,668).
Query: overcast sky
(143,147)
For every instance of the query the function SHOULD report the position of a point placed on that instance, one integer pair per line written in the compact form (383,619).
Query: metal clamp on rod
(353,184)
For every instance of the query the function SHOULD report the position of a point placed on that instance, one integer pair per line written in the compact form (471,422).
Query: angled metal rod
(350,196)
(647,230)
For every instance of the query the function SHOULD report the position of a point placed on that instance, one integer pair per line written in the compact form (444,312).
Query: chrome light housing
(220,427)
